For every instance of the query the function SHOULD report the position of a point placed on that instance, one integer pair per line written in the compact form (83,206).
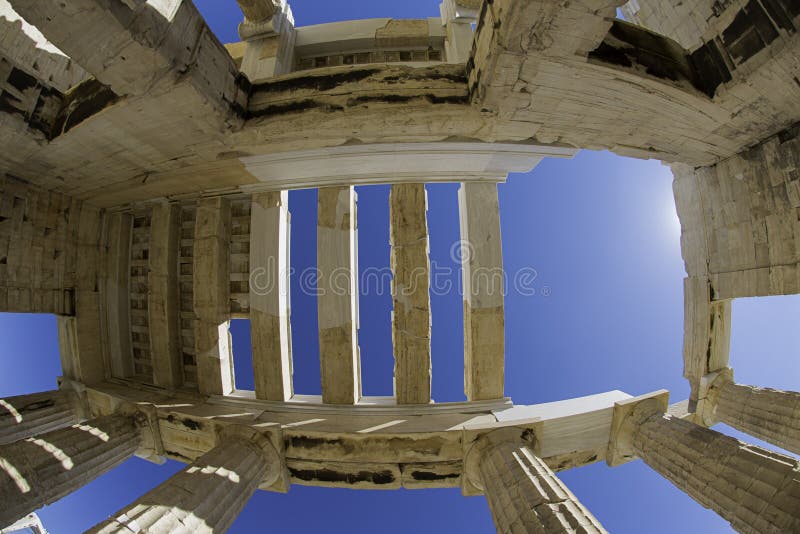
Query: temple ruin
(144,178)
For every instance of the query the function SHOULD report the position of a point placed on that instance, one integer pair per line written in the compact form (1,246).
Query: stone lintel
(620,448)
(270,329)
(211,294)
(163,300)
(337,303)
(411,312)
(484,282)
(118,294)
(139,47)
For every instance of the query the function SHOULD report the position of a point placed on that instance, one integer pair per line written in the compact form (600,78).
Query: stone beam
(142,47)
(33,80)
(163,302)
(337,300)
(376,445)
(483,282)
(569,74)
(270,329)
(118,305)
(211,290)
(411,314)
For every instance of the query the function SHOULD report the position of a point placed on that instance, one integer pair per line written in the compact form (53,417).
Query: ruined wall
(681,20)
(25,46)
(741,219)
(38,249)
(740,25)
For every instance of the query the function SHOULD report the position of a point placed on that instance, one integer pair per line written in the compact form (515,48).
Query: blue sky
(602,235)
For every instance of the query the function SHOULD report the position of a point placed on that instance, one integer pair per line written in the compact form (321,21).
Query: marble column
(41,470)
(525,495)
(768,414)
(756,490)
(205,497)
(30,415)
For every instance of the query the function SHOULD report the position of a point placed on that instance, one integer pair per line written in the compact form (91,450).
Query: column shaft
(756,490)
(29,415)
(526,496)
(768,414)
(205,497)
(41,470)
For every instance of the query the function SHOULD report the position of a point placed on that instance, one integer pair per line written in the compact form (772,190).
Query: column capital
(77,394)
(628,414)
(476,448)
(264,18)
(269,444)
(146,418)
(708,395)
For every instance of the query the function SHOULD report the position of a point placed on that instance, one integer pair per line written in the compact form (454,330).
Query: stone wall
(741,219)
(38,249)
(683,21)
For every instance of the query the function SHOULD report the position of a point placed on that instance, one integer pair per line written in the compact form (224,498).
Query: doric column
(768,414)
(205,497)
(43,469)
(524,494)
(756,490)
(30,415)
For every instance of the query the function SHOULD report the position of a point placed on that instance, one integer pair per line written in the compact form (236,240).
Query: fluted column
(525,495)
(30,415)
(40,470)
(207,496)
(768,414)
(756,490)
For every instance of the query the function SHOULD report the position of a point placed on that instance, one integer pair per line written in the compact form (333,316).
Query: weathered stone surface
(24,416)
(205,497)
(525,495)
(43,469)
(411,314)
